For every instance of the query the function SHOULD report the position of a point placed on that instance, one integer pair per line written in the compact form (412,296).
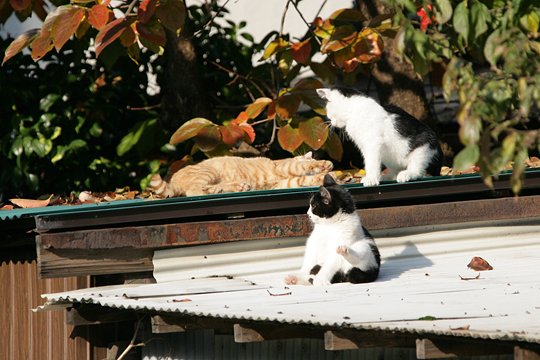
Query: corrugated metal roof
(420,277)
(126,211)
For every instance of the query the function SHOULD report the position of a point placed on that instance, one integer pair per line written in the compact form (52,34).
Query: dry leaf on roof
(466,327)
(479,264)
(7,207)
(30,203)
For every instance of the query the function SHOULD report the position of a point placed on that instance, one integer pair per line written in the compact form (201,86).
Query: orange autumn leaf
(30,203)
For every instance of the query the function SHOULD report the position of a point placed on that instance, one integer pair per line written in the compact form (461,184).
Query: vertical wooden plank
(6,312)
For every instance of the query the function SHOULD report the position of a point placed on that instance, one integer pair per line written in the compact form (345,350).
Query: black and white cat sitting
(386,135)
(339,248)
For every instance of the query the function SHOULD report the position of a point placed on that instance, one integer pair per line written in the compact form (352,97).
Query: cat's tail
(160,187)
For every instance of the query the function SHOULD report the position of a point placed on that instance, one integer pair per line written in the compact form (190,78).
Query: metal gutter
(140,211)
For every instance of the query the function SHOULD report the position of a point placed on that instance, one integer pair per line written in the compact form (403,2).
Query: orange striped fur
(231,174)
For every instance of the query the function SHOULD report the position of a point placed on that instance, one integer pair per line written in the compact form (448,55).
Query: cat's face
(330,201)
(334,106)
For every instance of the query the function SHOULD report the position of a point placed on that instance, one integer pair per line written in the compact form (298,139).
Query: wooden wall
(28,335)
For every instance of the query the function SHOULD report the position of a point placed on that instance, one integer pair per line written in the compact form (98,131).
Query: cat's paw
(403,176)
(318,167)
(291,280)
(342,250)
(370,181)
(243,186)
(212,189)
(320,281)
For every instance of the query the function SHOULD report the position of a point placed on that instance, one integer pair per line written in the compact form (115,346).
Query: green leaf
(208,138)
(493,49)
(42,147)
(479,17)
(530,22)
(274,47)
(48,101)
(461,20)
(467,157)
(442,11)
(132,138)
(189,129)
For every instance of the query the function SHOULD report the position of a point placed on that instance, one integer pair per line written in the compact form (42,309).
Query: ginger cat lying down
(231,174)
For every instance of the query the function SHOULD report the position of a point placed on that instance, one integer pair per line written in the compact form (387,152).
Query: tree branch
(310,28)
(209,22)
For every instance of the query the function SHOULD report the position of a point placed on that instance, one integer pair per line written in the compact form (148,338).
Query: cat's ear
(329,180)
(308,155)
(323,93)
(325,195)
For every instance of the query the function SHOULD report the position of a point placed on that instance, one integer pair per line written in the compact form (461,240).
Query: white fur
(372,130)
(336,244)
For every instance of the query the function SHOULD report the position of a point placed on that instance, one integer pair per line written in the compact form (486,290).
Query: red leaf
(314,132)
(98,16)
(301,51)
(287,106)
(289,138)
(109,33)
(479,264)
(369,46)
(189,129)
(425,21)
(19,44)
(68,20)
(155,34)
(342,37)
(172,14)
(6,207)
(208,138)
(41,45)
(20,5)
(255,109)
(146,10)
(249,132)
(231,134)
(241,118)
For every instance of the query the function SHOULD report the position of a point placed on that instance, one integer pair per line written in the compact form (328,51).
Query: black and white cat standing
(339,248)
(386,135)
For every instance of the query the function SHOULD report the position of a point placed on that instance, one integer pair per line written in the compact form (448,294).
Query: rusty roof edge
(222,204)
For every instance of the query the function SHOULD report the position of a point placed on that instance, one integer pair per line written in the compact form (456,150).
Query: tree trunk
(396,81)
(183,91)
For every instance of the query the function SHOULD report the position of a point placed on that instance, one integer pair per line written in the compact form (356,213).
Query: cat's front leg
(372,161)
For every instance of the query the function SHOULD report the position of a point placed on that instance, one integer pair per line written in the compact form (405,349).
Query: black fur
(410,128)
(341,199)
(418,134)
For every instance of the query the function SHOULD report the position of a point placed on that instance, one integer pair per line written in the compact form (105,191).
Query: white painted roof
(420,277)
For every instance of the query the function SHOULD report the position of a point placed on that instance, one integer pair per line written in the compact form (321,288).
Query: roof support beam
(357,339)
(435,348)
(246,333)
(521,353)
